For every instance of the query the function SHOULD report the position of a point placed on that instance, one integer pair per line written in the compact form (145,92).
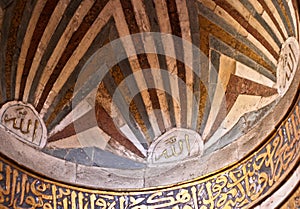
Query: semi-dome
(151,93)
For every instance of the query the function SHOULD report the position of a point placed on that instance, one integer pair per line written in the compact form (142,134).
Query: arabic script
(24,123)
(287,65)
(175,145)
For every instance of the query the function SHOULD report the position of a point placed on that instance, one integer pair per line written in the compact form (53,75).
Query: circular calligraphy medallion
(287,64)
(23,121)
(175,145)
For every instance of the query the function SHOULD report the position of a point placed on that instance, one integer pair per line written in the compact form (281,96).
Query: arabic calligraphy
(174,152)
(287,65)
(175,145)
(241,185)
(24,122)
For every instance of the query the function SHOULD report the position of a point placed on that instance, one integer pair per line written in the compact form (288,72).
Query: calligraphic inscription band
(241,185)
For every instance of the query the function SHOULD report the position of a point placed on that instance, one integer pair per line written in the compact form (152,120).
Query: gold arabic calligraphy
(19,121)
(173,153)
(24,123)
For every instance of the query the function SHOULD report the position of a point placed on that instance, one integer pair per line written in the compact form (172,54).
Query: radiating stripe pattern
(47,43)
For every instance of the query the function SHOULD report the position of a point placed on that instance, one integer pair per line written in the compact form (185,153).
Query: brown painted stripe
(195,30)
(220,117)
(285,15)
(269,12)
(204,38)
(239,18)
(139,112)
(65,94)
(204,100)
(118,77)
(69,13)
(59,107)
(231,41)
(20,39)
(262,21)
(104,122)
(111,86)
(296,5)
(11,46)
(201,119)
(237,86)
(154,27)
(142,117)
(37,35)
(176,30)
(6,21)
(71,47)
(143,61)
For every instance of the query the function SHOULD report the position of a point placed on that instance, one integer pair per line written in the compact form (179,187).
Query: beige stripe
(188,55)
(26,43)
(240,8)
(83,46)
(244,104)
(93,137)
(294,17)
(133,60)
(264,33)
(244,71)
(61,45)
(66,143)
(208,3)
(53,23)
(257,6)
(81,109)
(223,14)
(165,27)
(144,26)
(242,31)
(230,20)
(268,19)
(256,43)
(277,16)
(253,22)
(227,67)
(104,98)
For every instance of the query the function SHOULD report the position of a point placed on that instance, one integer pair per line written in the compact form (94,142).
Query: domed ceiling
(126,84)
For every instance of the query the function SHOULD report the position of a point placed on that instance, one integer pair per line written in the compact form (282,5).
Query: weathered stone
(23,121)
(175,145)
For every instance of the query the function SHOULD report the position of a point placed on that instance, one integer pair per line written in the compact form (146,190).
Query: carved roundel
(24,123)
(287,65)
(175,145)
